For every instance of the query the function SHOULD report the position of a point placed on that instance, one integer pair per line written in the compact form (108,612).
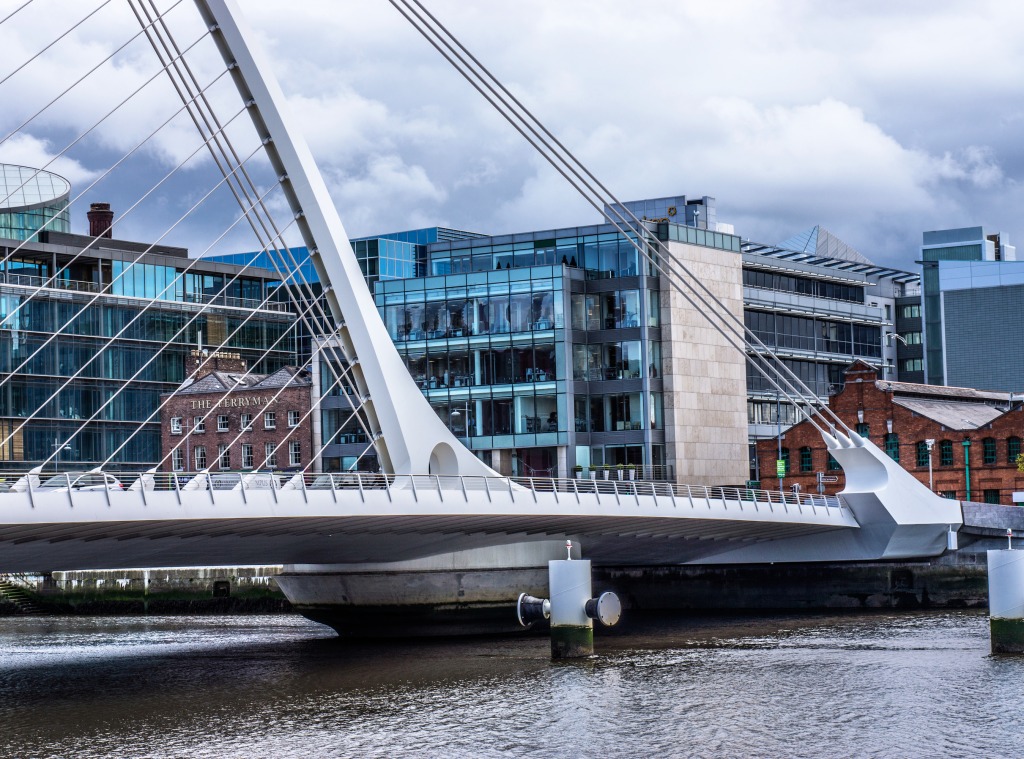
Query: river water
(279,686)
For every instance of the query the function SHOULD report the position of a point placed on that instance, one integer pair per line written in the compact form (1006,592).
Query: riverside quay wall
(199,590)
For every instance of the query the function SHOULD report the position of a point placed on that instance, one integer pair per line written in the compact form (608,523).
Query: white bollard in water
(1006,601)
(572,631)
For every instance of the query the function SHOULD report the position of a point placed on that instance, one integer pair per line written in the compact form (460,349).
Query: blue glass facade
(146,308)
(30,201)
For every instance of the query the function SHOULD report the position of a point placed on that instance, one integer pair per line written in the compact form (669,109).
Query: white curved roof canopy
(41,188)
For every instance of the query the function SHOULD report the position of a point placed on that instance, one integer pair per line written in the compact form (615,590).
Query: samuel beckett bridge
(475,538)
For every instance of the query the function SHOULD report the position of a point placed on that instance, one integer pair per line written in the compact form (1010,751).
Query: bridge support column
(1006,601)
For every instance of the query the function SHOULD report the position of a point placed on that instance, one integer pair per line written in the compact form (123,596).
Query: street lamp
(57,448)
(930,443)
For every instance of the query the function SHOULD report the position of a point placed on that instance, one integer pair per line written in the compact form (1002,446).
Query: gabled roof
(223,382)
(951,414)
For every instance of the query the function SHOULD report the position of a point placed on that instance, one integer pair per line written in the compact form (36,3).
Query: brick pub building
(276,428)
(977,437)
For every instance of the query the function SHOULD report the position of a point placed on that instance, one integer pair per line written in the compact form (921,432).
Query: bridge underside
(369,539)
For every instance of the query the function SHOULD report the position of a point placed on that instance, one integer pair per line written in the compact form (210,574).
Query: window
(910,312)
(950,494)
(892,446)
(175,425)
(223,456)
(198,424)
(911,338)
(270,420)
(178,460)
(864,429)
(200,453)
(911,365)
(294,453)
(922,453)
(785,460)
(270,450)
(833,465)
(991,496)
(806,463)
(1012,449)
(222,423)
(946,453)
(246,455)
(246,421)
(293,418)
(988,451)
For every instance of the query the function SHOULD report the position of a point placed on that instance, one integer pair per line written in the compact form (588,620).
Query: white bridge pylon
(410,438)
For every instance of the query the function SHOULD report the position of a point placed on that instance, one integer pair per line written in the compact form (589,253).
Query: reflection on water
(879,685)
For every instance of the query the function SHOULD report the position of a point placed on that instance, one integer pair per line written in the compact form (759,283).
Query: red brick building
(977,437)
(227,420)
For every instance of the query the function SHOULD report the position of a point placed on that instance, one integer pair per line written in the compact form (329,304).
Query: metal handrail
(466,486)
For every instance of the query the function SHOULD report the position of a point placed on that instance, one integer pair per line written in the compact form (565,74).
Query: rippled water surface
(879,685)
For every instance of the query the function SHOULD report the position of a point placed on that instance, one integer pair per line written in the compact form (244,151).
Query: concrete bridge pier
(473,591)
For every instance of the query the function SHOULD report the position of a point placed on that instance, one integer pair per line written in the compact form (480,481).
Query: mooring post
(570,609)
(1006,599)
(572,631)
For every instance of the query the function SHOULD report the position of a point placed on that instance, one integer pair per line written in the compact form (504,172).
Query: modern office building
(561,348)
(96,289)
(939,252)
(574,306)
(31,199)
(819,314)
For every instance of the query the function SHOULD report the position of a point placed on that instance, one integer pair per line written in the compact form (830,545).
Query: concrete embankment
(209,590)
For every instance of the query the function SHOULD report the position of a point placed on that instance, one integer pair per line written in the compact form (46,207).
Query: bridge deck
(187,520)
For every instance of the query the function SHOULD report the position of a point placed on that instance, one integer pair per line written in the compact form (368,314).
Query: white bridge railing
(346,485)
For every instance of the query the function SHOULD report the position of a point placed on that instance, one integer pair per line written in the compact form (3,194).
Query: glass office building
(32,200)
(146,308)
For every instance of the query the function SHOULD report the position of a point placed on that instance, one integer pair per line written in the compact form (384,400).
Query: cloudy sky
(877,120)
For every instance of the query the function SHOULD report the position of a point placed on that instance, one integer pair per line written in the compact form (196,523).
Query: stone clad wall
(705,388)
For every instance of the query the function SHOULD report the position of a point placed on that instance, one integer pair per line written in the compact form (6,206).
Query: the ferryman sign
(241,402)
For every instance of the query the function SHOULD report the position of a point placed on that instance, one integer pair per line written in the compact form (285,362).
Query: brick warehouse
(277,432)
(977,437)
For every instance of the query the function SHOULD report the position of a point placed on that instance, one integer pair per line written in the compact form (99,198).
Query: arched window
(806,462)
(833,465)
(1012,450)
(988,451)
(785,460)
(922,453)
(892,446)
(945,453)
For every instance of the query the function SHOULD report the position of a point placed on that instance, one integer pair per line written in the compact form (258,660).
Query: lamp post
(967,466)
(930,443)
(57,448)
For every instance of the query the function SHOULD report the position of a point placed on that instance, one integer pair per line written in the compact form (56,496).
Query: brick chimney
(218,361)
(101,220)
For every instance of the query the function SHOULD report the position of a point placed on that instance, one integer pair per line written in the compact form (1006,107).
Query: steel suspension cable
(83,135)
(806,396)
(101,236)
(81,79)
(152,302)
(555,159)
(207,121)
(19,8)
(62,36)
(74,318)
